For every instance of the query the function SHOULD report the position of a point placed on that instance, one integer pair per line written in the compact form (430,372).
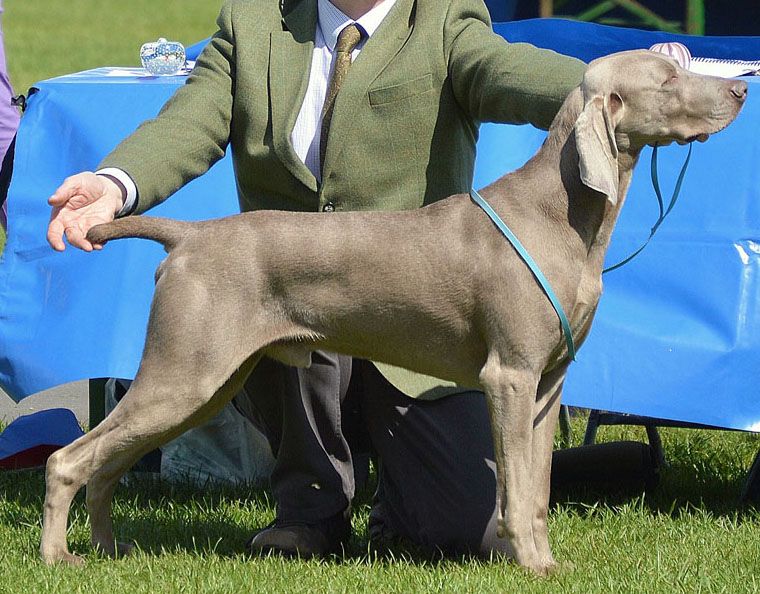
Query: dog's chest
(586,302)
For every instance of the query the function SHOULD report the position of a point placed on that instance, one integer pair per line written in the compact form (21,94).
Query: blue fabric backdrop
(678,331)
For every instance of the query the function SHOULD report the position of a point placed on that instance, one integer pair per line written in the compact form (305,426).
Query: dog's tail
(165,231)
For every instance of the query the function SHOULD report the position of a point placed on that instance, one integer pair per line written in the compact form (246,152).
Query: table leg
(97,392)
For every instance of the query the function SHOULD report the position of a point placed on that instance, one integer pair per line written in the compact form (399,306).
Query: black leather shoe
(298,539)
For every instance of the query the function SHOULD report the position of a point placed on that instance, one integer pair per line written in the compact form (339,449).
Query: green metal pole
(647,16)
(695,17)
(596,11)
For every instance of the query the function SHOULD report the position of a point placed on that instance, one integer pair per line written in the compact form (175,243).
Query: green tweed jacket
(404,125)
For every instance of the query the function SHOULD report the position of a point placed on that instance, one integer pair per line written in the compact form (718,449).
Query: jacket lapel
(289,66)
(379,50)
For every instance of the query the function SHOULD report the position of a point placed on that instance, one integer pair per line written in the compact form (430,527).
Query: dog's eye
(671,79)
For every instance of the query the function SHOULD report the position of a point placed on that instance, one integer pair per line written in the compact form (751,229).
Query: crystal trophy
(163,57)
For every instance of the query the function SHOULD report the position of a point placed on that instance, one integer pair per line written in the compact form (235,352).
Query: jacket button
(329,207)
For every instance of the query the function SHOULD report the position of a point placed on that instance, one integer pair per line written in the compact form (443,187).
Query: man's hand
(81,202)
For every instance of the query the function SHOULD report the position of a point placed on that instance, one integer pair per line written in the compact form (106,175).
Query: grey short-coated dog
(436,290)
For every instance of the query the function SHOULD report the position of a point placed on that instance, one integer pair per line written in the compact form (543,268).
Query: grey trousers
(436,485)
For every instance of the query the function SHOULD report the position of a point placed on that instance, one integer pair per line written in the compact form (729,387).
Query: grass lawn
(688,535)
(46,38)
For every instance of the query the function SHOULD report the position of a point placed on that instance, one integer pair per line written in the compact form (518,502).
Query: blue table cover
(677,335)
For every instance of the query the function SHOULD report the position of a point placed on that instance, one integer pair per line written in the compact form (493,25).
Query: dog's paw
(564,566)
(550,567)
(64,558)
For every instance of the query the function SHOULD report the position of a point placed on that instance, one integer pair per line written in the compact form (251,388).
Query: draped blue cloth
(588,41)
(677,334)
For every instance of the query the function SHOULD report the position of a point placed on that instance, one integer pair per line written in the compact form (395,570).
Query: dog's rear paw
(63,557)
(564,566)
(547,568)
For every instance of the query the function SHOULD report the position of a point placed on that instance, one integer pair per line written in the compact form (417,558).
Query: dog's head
(635,98)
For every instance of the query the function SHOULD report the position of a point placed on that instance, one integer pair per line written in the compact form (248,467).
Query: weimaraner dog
(436,290)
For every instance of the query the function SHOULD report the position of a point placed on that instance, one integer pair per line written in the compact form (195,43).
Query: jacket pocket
(401,91)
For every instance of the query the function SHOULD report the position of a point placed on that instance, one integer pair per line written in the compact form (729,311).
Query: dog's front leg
(546,413)
(511,393)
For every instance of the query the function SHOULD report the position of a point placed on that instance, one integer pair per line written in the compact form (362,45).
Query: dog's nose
(739,90)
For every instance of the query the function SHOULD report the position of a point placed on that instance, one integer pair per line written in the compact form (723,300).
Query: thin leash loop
(542,280)
(661,203)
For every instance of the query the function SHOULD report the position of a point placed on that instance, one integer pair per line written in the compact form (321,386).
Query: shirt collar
(332,21)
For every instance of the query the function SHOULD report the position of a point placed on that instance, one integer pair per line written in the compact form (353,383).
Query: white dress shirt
(305,134)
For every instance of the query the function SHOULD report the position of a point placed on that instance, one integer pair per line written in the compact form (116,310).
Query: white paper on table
(724,68)
(141,72)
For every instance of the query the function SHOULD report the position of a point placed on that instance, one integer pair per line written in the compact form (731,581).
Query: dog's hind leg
(152,412)
(67,471)
(61,486)
(546,414)
(100,489)
(510,394)
(200,347)
(103,482)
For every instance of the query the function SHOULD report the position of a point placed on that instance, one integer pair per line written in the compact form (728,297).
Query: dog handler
(332,105)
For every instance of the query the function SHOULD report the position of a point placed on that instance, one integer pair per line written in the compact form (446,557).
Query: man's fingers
(55,235)
(60,197)
(68,189)
(74,234)
(81,185)
(76,237)
(79,203)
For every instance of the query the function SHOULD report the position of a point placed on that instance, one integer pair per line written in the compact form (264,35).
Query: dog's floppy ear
(597,149)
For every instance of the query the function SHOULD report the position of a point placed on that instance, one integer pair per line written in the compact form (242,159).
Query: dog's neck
(590,216)
(585,217)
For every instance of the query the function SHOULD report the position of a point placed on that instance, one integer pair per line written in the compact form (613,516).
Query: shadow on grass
(162,519)
(704,476)
(705,472)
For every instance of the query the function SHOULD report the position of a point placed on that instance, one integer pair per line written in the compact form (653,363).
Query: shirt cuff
(128,187)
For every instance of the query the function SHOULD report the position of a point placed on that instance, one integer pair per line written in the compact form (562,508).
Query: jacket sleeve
(498,81)
(192,130)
